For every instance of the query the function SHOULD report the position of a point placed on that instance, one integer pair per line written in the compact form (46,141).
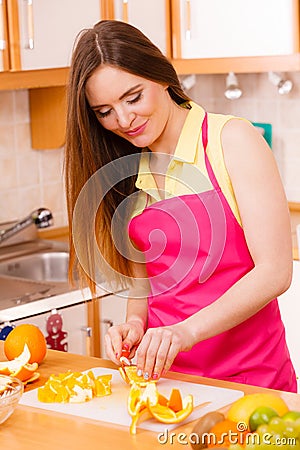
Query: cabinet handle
(107,322)
(30,44)
(125,11)
(88,331)
(2,35)
(88,339)
(188,20)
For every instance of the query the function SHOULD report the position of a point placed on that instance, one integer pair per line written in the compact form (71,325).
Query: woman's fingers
(113,343)
(157,352)
(121,337)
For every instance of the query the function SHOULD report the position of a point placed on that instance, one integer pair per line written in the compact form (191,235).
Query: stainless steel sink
(45,267)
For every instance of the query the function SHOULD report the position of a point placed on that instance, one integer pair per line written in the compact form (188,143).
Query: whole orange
(225,433)
(26,334)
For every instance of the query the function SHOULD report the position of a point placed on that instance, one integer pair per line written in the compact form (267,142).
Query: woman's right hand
(126,335)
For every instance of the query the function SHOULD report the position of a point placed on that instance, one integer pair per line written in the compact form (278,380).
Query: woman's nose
(125,118)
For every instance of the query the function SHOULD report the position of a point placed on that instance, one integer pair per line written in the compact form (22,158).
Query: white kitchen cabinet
(39,34)
(235,28)
(4,44)
(151,17)
(48,30)
(112,312)
(289,304)
(74,322)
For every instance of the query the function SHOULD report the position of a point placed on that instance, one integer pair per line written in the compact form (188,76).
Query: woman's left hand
(160,346)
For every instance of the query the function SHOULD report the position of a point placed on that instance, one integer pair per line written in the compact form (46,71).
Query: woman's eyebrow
(137,86)
(132,89)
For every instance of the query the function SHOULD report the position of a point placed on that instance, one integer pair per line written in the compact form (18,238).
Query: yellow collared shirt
(186,172)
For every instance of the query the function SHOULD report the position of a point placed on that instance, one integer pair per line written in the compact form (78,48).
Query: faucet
(41,217)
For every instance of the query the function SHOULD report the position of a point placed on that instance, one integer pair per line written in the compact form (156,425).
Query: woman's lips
(137,131)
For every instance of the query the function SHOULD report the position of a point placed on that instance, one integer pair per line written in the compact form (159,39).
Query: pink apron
(195,250)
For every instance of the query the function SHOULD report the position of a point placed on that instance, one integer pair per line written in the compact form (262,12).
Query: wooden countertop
(34,429)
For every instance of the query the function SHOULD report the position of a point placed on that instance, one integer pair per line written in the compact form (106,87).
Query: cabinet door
(151,17)
(112,312)
(74,322)
(234,28)
(48,30)
(4,61)
(289,304)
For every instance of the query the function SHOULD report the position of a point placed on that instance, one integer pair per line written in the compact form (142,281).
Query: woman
(208,215)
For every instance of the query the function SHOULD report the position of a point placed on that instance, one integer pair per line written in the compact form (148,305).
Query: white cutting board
(113,408)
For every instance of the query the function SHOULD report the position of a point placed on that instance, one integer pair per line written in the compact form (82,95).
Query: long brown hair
(89,146)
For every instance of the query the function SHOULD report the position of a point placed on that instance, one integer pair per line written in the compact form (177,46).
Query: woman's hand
(126,335)
(160,346)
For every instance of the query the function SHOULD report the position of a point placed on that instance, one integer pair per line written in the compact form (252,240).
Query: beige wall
(31,178)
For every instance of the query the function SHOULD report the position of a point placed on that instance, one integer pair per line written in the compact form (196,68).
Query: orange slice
(129,375)
(74,387)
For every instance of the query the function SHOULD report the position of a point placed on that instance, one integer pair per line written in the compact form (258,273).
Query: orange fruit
(129,374)
(74,387)
(221,437)
(26,334)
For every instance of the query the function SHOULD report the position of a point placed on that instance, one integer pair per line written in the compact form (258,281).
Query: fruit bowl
(11,390)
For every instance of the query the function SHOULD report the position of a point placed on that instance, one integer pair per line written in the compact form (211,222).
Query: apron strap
(209,168)
(205,132)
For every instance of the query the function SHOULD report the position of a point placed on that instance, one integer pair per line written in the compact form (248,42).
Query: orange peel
(19,367)
(149,400)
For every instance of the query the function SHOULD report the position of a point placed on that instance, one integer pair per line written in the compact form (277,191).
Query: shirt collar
(185,150)
(188,140)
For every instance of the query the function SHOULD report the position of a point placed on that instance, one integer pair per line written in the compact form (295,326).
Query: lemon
(241,410)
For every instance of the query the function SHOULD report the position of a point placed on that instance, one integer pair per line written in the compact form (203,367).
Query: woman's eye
(103,114)
(135,99)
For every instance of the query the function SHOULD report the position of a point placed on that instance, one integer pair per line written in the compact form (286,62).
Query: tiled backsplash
(260,102)
(29,178)
(33,178)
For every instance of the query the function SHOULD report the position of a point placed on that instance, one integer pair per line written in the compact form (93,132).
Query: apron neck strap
(204,132)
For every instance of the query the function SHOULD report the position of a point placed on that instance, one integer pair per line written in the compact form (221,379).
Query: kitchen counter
(32,428)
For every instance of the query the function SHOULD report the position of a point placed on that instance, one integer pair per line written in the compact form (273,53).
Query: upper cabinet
(235,35)
(235,28)
(199,36)
(151,17)
(218,36)
(39,34)
(4,58)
